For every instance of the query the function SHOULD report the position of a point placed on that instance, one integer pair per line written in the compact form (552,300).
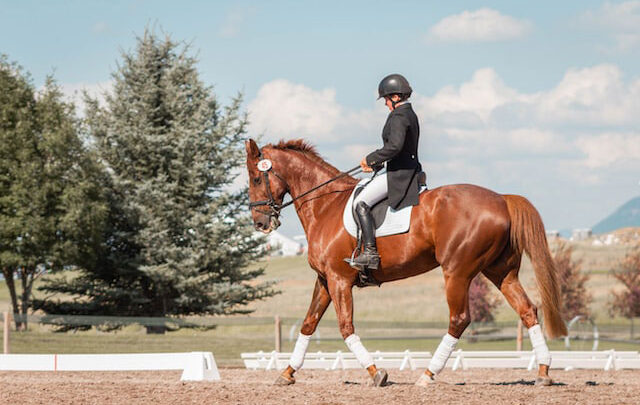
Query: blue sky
(539,99)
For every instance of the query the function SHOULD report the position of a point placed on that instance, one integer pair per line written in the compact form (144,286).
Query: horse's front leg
(319,303)
(342,296)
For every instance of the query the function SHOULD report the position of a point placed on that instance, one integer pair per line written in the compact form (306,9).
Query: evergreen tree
(178,243)
(51,209)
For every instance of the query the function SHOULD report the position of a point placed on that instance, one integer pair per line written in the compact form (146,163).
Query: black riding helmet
(394,84)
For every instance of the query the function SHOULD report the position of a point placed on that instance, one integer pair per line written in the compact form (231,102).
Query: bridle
(271,203)
(275,207)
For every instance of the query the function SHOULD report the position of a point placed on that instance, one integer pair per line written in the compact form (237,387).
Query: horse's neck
(302,174)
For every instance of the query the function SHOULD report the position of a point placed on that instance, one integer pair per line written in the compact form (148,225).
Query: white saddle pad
(394,221)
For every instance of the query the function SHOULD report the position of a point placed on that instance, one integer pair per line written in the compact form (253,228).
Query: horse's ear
(252,148)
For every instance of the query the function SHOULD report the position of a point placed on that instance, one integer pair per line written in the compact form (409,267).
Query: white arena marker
(201,366)
(195,366)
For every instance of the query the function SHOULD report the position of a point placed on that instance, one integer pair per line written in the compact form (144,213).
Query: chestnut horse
(463,228)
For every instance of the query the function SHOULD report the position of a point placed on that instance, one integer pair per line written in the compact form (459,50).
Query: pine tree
(179,243)
(573,289)
(51,209)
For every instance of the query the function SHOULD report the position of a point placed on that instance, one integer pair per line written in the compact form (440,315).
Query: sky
(538,98)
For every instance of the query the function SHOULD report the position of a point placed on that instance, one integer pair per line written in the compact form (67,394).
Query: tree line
(576,298)
(126,211)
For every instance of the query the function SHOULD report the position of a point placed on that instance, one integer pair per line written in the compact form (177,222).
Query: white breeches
(374,191)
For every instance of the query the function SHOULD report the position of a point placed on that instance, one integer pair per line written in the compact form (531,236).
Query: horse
(464,229)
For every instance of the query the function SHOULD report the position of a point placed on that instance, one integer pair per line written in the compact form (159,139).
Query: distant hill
(626,216)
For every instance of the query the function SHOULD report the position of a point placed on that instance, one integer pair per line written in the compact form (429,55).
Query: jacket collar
(406,104)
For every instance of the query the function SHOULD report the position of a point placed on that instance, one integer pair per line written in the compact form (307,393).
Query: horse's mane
(306,148)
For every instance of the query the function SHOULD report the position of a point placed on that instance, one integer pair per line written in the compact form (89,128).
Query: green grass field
(420,299)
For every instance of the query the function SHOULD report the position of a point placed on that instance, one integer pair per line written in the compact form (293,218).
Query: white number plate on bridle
(264,165)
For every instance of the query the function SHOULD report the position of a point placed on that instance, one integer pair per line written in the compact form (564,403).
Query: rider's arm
(393,142)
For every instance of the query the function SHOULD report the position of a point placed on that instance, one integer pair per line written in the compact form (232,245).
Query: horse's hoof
(380,378)
(284,380)
(543,381)
(425,380)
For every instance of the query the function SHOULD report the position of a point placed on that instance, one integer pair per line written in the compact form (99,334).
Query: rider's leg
(375,191)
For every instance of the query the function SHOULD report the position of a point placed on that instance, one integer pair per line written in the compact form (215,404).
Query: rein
(341,175)
(271,202)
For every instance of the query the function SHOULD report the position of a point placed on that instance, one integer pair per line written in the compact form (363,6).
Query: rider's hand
(365,167)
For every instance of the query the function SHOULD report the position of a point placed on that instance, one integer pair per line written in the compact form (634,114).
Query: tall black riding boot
(369,258)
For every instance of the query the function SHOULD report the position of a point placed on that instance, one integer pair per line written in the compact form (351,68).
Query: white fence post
(6,329)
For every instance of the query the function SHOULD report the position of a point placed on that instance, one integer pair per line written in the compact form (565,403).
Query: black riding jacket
(400,135)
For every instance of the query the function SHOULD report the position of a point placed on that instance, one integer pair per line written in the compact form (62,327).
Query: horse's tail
(527,233)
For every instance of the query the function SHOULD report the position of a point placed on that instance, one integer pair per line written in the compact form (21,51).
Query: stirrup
(367,260)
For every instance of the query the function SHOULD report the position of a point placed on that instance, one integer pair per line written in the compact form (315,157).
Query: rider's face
(388,101)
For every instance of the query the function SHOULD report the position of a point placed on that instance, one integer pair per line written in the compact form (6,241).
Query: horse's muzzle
(266,228)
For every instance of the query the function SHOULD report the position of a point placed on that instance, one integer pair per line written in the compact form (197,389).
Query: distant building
(552,235)
(608,239)
(280,245)
(580,234)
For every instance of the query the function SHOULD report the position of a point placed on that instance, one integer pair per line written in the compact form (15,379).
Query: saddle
(387,221)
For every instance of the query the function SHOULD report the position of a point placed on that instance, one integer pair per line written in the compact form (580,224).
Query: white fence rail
(606,360)
(195,366)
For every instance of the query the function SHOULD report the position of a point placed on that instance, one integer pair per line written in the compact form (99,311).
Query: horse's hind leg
(318,306)
(505,276)
(457,290)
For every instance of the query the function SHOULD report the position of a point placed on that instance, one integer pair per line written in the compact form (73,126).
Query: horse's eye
(256,180)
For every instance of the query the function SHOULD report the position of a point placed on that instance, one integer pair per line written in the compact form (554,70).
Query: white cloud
(476,98)
(483,25)
(356,152)
(100,27)
(597,95)
(611,148)
(74,92)
(283,109)
(233,21)
(621,21)
(584,98)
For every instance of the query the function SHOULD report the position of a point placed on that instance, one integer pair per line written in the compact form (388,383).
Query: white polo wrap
(355,345)
(300,349)
(539,345)
(444,350)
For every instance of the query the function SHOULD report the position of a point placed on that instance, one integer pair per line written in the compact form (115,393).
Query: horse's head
(266,189)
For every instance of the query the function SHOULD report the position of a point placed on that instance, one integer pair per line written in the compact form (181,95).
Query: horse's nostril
(259,225)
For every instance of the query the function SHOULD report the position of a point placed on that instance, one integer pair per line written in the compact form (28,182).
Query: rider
(400,152)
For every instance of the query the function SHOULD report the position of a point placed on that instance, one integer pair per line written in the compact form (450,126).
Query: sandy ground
(239,386)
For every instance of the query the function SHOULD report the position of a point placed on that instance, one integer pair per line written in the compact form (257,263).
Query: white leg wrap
(539,345)
(297,357)
(444,350)
(355,345)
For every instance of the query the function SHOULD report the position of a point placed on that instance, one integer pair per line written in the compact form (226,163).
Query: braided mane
(306,148)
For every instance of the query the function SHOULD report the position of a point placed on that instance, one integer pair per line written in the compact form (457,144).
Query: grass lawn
(420,299)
